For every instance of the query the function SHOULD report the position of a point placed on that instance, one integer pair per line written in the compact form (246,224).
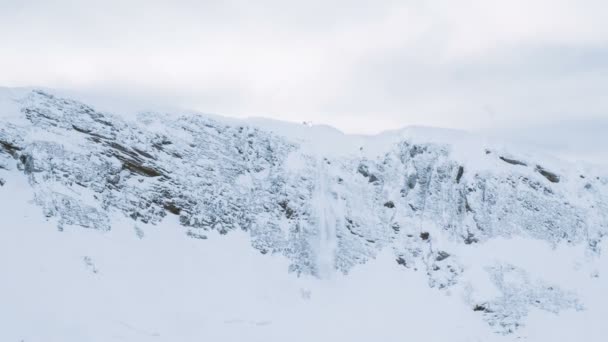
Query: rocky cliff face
(326,212)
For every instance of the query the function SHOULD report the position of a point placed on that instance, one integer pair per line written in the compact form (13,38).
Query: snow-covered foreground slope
(206,229)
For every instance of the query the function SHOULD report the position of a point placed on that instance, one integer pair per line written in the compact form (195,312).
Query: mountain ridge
(326,205)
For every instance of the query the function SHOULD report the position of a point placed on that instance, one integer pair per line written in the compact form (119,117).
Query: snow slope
(195,228)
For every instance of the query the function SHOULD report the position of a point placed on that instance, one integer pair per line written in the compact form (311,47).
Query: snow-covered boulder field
(188,227)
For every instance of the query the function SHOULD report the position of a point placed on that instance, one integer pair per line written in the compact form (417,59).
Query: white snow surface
(74,268)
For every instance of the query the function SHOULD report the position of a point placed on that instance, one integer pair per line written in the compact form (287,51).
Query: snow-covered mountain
(112,229)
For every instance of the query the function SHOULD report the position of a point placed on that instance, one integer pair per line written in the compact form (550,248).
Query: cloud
(362,66)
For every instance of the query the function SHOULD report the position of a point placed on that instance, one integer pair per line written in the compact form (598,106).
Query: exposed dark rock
(389,204)
(536,185)
(144,153)
(460,173)
(467,206)
(139,169)
(481,307)
(513,161)
(172,208)
(401,261)
(196,235)
(26,163)
(81,130)
(363,170)
(289,212)
(94,136)
(350,230)
(412,180)
(10,148)
(424,235)
(441,255)
(133,161)
(396,227)
(552,177)
(120,149)
(470,239)
(416,150)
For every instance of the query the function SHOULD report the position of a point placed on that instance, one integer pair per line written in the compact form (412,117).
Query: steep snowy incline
(326,201)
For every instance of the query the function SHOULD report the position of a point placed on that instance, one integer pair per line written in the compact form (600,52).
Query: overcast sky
(362,66)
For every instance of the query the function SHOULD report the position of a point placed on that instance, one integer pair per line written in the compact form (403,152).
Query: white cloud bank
(363,66)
